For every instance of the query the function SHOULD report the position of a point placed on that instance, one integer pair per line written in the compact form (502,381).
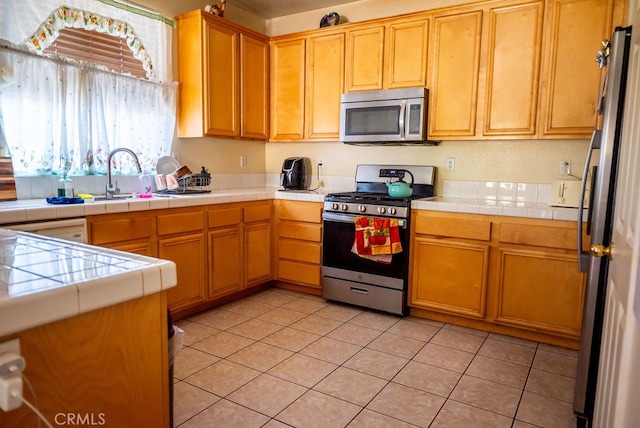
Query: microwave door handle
(583,257)
(402,119)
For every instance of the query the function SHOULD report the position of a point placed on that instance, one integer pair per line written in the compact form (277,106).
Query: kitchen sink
(129,197)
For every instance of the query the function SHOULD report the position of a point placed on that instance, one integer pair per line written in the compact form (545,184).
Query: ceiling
(274,8)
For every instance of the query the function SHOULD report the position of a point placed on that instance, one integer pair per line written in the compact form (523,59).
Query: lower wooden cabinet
(218,249)
(239,247)
(299,245)
(502,274)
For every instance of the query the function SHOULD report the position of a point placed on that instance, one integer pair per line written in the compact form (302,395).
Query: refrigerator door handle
(583,256)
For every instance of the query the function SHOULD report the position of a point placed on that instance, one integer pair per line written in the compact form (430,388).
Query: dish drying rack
(196,183)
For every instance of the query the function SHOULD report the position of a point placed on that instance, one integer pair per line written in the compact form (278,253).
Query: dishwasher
(70,229)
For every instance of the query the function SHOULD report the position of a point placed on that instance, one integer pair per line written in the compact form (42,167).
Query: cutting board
(7,180)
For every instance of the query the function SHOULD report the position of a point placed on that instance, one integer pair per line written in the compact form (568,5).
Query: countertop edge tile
(109,290)
(33,310)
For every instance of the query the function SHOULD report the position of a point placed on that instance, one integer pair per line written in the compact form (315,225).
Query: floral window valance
(76,18)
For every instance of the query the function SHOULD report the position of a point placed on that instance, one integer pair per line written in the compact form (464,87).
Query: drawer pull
(359,290)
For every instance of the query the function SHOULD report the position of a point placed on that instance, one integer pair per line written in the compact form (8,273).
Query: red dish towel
(376,238)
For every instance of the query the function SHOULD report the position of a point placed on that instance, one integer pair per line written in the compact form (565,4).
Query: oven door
(338,236)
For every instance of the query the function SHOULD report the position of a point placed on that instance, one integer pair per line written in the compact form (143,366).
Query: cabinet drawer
(299,273)
(310,212)
(301,251)
(539,236)
(302,231)
(259,212)
(124,229)
(169,224)
(225,217)
(453,228)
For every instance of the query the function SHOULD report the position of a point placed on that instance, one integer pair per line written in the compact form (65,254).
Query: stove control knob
(392,211)
(344,207)
(335,206)
(381,210)
(362,208)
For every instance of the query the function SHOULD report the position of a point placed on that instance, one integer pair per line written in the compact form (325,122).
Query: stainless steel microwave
(393,116)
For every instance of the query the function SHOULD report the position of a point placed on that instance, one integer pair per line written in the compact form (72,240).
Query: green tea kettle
(400,188)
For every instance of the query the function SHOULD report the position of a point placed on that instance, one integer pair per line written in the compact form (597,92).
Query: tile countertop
(499,208)
(44,279)
(25,210)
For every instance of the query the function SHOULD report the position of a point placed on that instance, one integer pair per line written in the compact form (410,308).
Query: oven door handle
(348,218)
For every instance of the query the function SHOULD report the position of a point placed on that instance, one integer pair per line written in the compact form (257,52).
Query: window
(96,48)
(62,114)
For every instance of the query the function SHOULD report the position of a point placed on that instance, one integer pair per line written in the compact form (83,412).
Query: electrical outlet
(565,167)
(451,164)
(243,161)
(321,161)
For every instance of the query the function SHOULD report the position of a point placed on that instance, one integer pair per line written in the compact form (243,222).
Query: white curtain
(62,118)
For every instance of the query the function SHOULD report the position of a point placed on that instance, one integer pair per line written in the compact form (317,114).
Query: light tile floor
(279,358)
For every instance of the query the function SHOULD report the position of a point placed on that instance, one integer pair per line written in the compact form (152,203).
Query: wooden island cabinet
(516,276)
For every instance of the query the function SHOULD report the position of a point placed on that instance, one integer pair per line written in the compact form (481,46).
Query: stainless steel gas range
(365,255)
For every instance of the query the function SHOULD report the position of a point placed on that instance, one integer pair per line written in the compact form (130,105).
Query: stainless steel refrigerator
(599,222)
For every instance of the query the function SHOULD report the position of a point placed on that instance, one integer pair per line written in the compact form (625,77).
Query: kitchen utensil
(400,188)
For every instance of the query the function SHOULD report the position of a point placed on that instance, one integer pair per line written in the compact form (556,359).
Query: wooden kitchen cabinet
(441,246)
(454,54)
(134,233)
(299,245)
(306,84)
(181,239)
(513,276)
(540,287)
(239,247)
(287,89)
(387,55)
(324,86)
(223,74)
(513,69)
(570,76)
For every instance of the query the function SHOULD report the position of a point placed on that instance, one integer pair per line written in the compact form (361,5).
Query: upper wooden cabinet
(307,75)
(388,55)
(223,74)
(571,77)
(287,89)
(454,68)
(513,69)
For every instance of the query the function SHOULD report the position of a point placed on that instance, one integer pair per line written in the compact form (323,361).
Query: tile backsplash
(496,191)
(44,187)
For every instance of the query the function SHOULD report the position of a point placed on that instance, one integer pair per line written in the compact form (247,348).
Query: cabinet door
(222,82)
(325,77)
(188,253)
(540,291)
(257,253)
(453,83)
(364,58)
(571,78)
(287,87)
(254,87)
(450,276)
(513,68)
(225,261)
(406,54)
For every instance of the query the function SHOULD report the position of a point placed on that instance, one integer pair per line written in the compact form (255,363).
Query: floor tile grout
(381,322)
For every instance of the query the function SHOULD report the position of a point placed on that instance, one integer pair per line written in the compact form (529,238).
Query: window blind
(98,48)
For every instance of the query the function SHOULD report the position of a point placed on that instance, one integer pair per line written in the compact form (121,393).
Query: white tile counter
(26,210)
(45,279)
(495,207)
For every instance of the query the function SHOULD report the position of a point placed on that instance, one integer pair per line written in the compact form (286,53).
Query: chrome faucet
(111,189)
